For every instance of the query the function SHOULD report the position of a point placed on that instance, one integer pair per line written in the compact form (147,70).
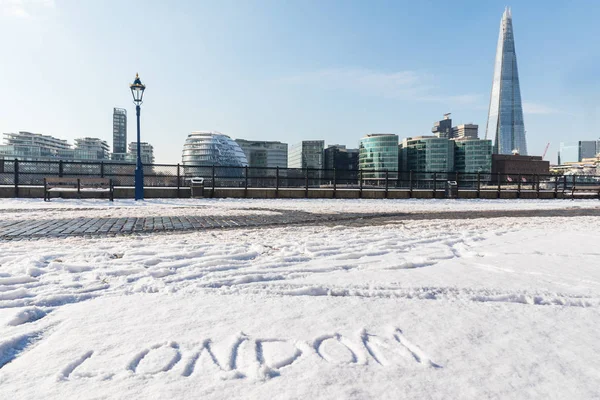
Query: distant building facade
(427,154)
(146,152)
(264,154)
(573,152)
(465,131)
(338,157)
(208,148)
(306,154)
(119,134)
(91,149)
(443,128)
(516,164)
(378,153)
(37,147)
(472,155)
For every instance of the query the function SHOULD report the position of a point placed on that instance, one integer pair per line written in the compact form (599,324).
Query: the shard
(505,118)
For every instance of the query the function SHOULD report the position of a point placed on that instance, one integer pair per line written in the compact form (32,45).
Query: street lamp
(137,90)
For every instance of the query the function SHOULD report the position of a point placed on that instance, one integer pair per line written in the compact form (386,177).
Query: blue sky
(292,70)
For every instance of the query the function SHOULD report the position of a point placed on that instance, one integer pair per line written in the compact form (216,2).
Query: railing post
(434,185)
(102,169)
(556,187)
(410,184)
(478,185)
(178,180)
(386,182)
(277,181)
(457,183)
(499,184)
(536,179)
(60,168)
(360,184)
(519,187)
(306,182)
(334,183)
(16,179)
(246,182)
(212,194)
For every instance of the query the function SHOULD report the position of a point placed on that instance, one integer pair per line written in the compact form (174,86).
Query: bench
(79,185)
(595,190)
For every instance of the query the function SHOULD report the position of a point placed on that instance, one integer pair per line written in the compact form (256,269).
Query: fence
(19,173)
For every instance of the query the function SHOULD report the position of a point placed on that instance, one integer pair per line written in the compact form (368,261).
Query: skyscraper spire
(505,118)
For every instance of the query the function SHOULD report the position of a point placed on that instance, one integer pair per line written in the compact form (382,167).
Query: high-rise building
(465,131)
(91,149)
(306,154)
(264,154)
(146,152)
(378,153)
(427,154)
(572,152)
(443,128)
(119,134)
(505,118)
(337,156)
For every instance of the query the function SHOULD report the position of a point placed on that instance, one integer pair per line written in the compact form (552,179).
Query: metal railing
(20,173)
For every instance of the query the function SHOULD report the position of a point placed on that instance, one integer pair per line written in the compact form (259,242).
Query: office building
(472,155)
(427,154)
(465,131)
(208,148)
(146,153)
(378,153)
(264,154)
(505,124)
(306,154)
(337,156)
(443,128)
(91,149)
(119,134)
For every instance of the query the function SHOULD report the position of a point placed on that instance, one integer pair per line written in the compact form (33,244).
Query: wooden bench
(79,185)
(595,190)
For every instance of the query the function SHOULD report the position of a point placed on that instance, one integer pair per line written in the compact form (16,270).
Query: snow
(480,308)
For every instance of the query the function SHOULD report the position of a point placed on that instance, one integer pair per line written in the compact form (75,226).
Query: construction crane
(545,151)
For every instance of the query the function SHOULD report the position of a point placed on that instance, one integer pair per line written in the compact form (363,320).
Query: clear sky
(292,70)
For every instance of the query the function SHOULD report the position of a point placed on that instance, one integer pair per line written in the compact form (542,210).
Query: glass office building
(208,148)
(472,156)
(505,118)
(378,153)
(427,154)
(264,154)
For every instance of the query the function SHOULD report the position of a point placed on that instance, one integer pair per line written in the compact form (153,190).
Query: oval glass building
(208,148)
(378,153)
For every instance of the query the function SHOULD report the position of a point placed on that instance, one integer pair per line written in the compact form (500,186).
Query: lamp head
(137,90)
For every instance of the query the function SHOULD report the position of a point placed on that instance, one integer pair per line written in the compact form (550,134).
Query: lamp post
(137,90)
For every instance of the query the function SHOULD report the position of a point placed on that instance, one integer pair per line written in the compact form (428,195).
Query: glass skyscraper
(505,118)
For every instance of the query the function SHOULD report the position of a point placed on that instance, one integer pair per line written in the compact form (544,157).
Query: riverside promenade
(27,225)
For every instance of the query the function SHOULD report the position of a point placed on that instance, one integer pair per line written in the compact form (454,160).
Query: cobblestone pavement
(61,227)
(65,227)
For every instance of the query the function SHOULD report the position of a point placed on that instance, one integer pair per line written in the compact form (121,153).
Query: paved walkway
(65,227)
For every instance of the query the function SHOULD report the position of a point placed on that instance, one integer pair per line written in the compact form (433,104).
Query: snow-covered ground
(483,308)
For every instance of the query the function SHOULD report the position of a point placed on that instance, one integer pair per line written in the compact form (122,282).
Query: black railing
(19,173)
